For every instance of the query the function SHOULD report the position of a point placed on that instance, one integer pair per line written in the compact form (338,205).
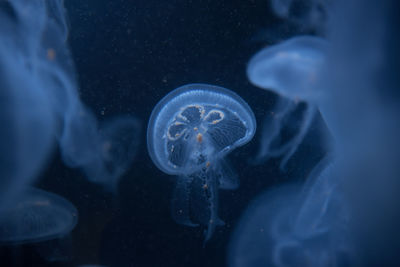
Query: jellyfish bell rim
(55,199)
(161,106)
(308,42)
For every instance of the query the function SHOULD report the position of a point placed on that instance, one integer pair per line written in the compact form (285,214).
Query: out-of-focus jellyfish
(288,226)
(25,114)
(253,241)
(190,132)
(104,153)
(39,103)
(41,218)
(291,70)
(37,216)
(308,15)
(362,110)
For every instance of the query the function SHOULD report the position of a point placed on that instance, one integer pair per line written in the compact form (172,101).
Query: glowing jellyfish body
(37,216)
(290,69)
(25,114)
(288,226)
(190,132)
(40,104)
(305,14)
(265,229)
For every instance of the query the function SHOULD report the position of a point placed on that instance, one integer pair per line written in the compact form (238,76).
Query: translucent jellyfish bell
(25,115)
(291,70)
(190,132)
(307,15)
(37,216)
(40,104)
(291,226)
(264,224)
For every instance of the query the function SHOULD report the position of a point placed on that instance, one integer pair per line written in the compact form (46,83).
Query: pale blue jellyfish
(362,111)
(291,70)
(25,114)
(40,104)
(306,15)
(254,240)
(290,226)
(41,219)
(190,132)
(37,216)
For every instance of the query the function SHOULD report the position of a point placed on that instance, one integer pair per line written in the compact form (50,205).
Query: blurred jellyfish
(253,241)
(40,103)
(362,110)
(291,70)
(103,153)
(308,15)
(190,132)
(288,226)
(347,212)
(40,218)
(25,114)
(37,216)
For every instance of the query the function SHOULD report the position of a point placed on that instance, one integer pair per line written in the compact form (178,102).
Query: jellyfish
(253,240)
(190,132)
(103,152)
(37,216)
(40,218)
(25,114)
(296,225)
(40,104)
(308,15)
(289,69)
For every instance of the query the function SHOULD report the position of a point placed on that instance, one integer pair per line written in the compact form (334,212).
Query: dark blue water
(128,55)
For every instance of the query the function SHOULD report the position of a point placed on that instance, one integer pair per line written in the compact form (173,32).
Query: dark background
(128,55)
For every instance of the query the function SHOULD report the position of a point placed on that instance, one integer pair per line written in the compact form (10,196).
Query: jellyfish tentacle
(210,131)
(180,205)
(298,138)
(227,178)
(272,128)
(209,192)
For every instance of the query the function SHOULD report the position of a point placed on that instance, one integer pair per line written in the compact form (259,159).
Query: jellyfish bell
(190,132)
(37,216)
(25,115)
(195,112)
(264,224)
(38,223)
(307,15)
(285,227)
(290,68)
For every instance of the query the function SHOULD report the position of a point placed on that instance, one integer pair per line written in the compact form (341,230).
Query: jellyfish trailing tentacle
(271,130)
(205,200)
(195,200)
(274,124)
(295,142)
(180,206)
